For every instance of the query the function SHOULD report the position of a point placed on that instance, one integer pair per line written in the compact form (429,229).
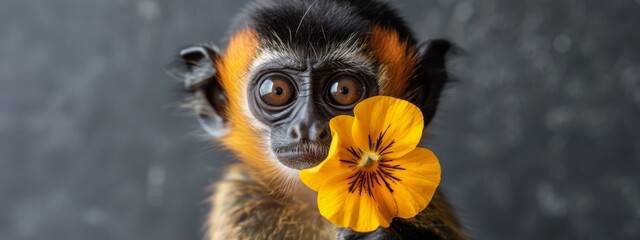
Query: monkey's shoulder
(437,221)
(245,208)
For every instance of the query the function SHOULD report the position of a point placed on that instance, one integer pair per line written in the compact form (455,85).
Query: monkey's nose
(315,132)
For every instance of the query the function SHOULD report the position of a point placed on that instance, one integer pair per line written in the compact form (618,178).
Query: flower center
(368,159)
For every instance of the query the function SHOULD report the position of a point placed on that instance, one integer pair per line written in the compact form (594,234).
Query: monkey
(288,67)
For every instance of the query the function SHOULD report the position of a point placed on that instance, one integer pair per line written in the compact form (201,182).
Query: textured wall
(538,139)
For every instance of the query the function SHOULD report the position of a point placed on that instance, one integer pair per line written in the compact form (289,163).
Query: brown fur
(438,218)
(245,208)
(398,61)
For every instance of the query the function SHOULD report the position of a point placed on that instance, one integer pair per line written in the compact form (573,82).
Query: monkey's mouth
(303,155)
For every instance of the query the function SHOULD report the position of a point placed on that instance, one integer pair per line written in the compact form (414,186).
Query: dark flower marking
(381,172)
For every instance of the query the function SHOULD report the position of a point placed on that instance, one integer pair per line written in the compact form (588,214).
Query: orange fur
(235,62)
(244,138)
(398,61)
(233,67)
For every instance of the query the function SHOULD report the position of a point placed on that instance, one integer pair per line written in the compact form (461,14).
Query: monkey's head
(291,65)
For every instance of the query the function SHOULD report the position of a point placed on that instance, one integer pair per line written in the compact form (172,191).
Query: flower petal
(419,181)
(314,177)
(354,210)
(341,127)
(387,203)
(390,126)
(341,133)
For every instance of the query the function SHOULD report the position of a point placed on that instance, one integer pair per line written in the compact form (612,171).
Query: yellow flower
(374,171)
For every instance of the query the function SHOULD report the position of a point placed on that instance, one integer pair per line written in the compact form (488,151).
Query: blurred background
(539,138)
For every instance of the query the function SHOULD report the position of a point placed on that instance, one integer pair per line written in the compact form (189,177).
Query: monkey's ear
(201,78)
(431,76)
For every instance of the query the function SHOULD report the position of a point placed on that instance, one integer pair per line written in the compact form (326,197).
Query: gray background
(538,139)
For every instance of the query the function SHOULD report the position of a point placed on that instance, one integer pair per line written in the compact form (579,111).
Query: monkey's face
(296,100)
(270,95)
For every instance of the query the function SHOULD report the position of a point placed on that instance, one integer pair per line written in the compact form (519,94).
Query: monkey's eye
(345,90)
(276,90)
